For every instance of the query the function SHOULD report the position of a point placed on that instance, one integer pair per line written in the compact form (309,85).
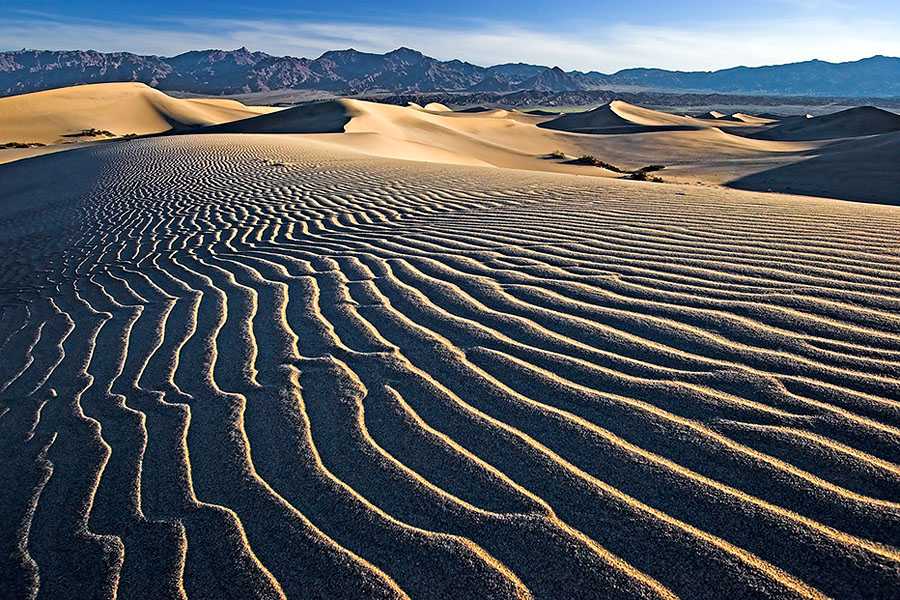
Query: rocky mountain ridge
(406,71)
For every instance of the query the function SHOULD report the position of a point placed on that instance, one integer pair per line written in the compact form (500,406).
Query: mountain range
(404,70)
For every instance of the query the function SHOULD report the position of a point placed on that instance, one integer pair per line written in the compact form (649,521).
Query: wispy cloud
(610,47)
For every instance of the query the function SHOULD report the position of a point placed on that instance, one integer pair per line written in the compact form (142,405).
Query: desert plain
(353,350)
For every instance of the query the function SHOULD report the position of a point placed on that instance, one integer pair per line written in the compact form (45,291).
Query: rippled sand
(256,367)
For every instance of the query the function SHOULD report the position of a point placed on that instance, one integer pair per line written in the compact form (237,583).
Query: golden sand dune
(635,137)
(60,115)
(264,366)
(745,152)
(753,120)
(489,138)
(621,117)
(436,107)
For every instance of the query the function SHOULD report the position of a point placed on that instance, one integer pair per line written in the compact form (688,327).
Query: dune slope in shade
(853,122)
(853,169)
(263,367)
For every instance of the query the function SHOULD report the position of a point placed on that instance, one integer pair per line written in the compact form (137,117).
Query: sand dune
(754,120)
(853,170)
(321,117)
(609,118)
(621,117)
(516,140)
(741,150)
(728,119)
(487,138)
(436,107)
(57,116)
(853,122)
(265,366)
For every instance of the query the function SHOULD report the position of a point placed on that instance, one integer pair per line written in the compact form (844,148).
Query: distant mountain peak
(556,80)
(405,50)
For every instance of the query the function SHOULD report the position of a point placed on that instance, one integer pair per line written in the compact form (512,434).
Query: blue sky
(596,35)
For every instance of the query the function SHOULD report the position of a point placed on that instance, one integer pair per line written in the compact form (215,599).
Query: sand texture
(271,366)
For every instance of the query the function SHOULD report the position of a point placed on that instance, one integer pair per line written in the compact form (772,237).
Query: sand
(861,170)
(814,156)
(626,136)
(352,350)
(853,122)
(57,116)
(488,138)
(269,366)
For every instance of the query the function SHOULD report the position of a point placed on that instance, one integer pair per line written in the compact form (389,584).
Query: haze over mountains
(406,71)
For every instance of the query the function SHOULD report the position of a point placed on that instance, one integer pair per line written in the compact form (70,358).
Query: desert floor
(265,366)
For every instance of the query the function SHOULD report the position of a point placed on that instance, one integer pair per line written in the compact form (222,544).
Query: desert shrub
(92,132)
(20,145)
(593,161)
(641,175)
(557,154)
(651,168)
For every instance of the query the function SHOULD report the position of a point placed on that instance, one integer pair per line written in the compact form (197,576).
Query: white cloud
(607,47)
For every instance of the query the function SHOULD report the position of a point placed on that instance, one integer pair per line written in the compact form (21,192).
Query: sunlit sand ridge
(266,367)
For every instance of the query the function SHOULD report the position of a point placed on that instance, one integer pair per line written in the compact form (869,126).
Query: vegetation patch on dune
(637,175)
(593,161)
(642,174)
(92,132)
(8,145)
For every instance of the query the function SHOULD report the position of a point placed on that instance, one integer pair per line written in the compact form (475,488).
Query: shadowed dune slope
(320,117)
(265,367)
(120,108)
(859,170)
(719,116)
(853,122)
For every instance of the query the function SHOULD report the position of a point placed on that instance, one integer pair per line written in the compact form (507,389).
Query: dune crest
(487,138)
(621,117)
(57,116)
(436,107)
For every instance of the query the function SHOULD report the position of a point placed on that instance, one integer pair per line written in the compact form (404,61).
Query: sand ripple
(256,367)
